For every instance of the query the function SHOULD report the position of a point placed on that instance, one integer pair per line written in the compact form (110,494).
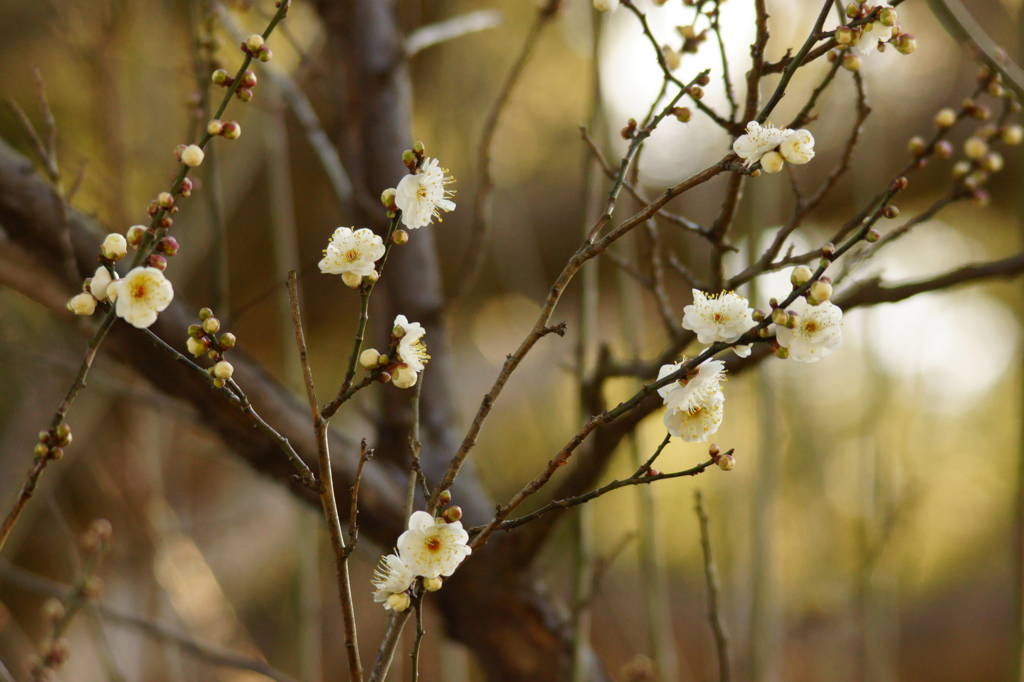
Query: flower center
(810,327)
(433,543)
(138,291)
(717,317)
(421,192)
(352,255)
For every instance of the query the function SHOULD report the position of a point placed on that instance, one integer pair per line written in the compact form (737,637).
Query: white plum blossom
(817,332)
(758,141)
(684,393)
(142,294)
(352,253)
(101,280)
(432,547)
(412,353)
(391,576)
(871,36)
(422,195)
(797,146)
(114,246)
(82,304)
(699,421)
(719,317)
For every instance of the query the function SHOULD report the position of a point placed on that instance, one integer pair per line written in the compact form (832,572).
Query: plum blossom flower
(872,35)
(352,253)
(758,141)
(101,280)
(432,547)
(817,333)
(412,352)
(719,317)
(797,146)
(142,294)
(82,304)
(391,576)
(693,390)
(699,421)
(422,195)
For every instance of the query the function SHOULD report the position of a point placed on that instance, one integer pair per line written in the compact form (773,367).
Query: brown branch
(721,640)
(328,500)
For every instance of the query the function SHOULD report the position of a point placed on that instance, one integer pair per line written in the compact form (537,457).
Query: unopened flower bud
(916,145)
(695,91)
(800,275)
(195,346)
(898,185)
(185,188)
(220,77)
(975,148)
(772,162)
(211,325)
(155,260)
(164,200)
(205,313)
(249,80)
(114,246)
(726,462)
(369,357)
(227,340)
(682,114)
(872,236)
(231,130)
(780,317)
(168,245)
(781,352)
(266,54)
(215,126)
(135,234)
(1012,134)
(671,57)
(403,377)
(844,35)
(398,602)
(945,118)
(980,198)
(820,292)
(851,62)
(887,16)
(891,211)
(853,10)
(905,43)
(53,609)
(432,584)
(254,43)
(961,168)
(41,450)
(192,156)
(944,149)
(82,304)
(452,514)
(992,162)
(244,94)
(400,236)
(223,370)
(444,497)
(351,279)
(387,198)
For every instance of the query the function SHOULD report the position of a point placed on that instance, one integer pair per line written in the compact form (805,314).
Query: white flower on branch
(142,294)
(719,317)
(758,141)
(699,421)
(114,246)
(817,332)
(391,576)
(82,304)
(352,254)
(101,281)
(422,196)
(431,547)
(412,352)
(698,387)
(872,35)
(794,146)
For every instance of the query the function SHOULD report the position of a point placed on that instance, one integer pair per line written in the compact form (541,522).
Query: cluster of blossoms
(431,549)
(406,359)
(807,331)
(773,147)
(204,339)
(860,41)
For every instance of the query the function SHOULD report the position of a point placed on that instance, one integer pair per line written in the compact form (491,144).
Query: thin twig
(710,576)
(328,500)
(450,29)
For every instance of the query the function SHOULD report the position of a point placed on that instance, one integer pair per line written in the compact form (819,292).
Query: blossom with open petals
(142,294)
(797,147)
(725,317)
(422,195)
(412,352)
(693,389)
(758,141)
(432,547)
(352,251)
(817,332)
(391,576)
(697,422)
(101,280)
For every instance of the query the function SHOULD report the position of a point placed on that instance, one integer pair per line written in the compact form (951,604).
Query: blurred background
(869,529)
